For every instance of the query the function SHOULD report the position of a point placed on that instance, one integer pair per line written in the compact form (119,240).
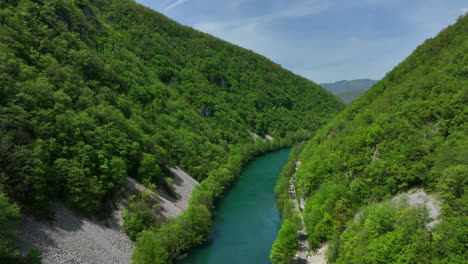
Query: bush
(143,213)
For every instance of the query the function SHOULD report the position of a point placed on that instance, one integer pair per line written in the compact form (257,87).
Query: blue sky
(323,40)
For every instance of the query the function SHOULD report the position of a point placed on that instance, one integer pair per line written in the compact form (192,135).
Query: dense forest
(349,91)
(95,91)
(92,92)
(408,131)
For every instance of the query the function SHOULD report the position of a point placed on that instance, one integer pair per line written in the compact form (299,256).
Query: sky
(322,40)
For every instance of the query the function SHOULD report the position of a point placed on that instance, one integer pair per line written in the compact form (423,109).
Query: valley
(127,137)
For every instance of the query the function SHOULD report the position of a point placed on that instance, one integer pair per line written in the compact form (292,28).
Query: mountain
(407,133)
(94,91)
(349,91)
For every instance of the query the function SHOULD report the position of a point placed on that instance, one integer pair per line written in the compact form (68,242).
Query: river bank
(247,219)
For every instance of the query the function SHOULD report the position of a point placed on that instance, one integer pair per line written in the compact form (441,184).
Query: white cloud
(328,55)
(301,9)
(254,33)
(207,27)
(175,4)
(304,8)
(239,32)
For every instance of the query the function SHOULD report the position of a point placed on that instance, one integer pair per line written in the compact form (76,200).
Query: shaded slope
(74,239)
(408,130)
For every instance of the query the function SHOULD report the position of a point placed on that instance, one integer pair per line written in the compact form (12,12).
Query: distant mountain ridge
(349,90)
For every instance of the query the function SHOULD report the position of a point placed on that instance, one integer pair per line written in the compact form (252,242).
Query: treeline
(170,242)
(409,130)
(92,92)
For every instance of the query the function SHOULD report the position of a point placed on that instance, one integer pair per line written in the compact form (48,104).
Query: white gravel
(255,136)
(267,137)
(183,185)
(318,256)
(75,239)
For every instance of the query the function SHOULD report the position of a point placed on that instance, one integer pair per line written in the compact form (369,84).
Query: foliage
(149,250)
(389,233)
(409,130)
(190,229)
(149,170)
(143,213)
(33,256)
(174,238)
(9,217)
(286,243)
(94,91)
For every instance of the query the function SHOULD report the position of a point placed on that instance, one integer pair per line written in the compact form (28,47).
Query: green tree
(286,244)
(149,171)
(9,217)
(149,250)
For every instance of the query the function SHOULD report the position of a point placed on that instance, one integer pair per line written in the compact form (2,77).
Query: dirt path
(301,256)
(304,255)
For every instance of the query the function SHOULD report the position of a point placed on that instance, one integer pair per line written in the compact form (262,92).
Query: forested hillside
(94,91)
(409,130)
(349,91)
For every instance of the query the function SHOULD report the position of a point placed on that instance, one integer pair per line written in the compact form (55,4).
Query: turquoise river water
(247,219)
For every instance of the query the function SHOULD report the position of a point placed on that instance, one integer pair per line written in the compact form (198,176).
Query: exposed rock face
(87,12)
(256,136)
(376,154)
(417,197)
(206,112)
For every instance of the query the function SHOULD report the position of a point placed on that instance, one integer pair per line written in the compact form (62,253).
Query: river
(247,218)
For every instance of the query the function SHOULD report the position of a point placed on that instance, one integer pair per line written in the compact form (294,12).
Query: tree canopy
(409,130)
(94,91)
